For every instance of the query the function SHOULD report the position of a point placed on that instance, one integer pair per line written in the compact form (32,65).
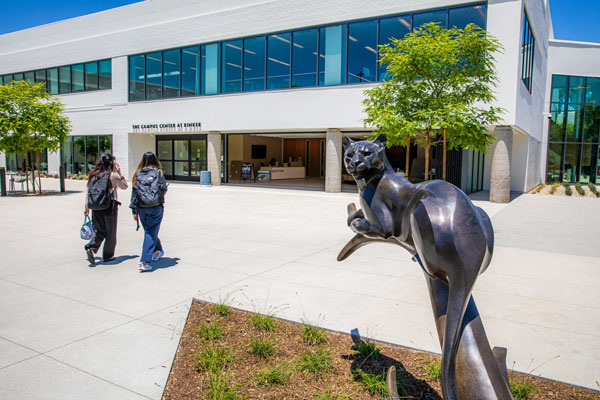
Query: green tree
(438,80)
(31,120)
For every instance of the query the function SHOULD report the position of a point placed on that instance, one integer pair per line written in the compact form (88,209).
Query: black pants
(105,228)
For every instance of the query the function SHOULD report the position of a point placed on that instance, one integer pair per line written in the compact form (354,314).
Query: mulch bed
(341,381)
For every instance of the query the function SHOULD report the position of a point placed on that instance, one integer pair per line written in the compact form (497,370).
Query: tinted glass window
(18,77)
(557,122)
(395,27)
(553,170)
(559,88)
(105,144)
(91,76)
(77,78)
(332,55)
(592,94)
(7,79)
(65,79)
(91,150)
(190,68)
(136,78)
(29,77)
(590,127)
(576,89)
(362,53)
(438,16)
(570,162)
(171,73)
(153,76)
(254,64)
(304,58)
(210,68)
(574,122)
(278,61)
(52,81)
(232,66)
(104,74)
(463,16)
(40,77)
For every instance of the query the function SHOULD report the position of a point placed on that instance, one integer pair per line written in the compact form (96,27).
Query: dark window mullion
(377,48)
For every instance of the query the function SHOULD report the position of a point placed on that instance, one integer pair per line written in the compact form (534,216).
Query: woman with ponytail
(104,219)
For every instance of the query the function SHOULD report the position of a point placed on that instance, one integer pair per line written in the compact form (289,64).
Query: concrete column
(53,162)
(2,160)
(333,161)
(500,173)
(213,157)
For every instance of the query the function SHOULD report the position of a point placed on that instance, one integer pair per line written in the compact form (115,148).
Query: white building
(211,85)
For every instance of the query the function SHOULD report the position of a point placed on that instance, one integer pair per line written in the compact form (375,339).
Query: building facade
(270,88)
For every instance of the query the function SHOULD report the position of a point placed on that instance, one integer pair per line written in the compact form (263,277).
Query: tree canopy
(31,119)
(437,79)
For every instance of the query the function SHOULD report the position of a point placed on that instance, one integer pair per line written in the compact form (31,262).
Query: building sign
(168,127)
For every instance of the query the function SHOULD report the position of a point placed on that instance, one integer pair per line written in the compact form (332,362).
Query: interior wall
(296,149)
(273,149)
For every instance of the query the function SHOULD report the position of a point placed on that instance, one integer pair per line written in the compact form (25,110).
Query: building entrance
(182,156)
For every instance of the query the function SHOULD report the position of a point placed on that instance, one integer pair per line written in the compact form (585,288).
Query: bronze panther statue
(452,240)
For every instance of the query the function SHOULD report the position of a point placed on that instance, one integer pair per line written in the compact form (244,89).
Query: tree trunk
(444,158)
(407,155)
(27,170)
(37,156)
(32,172)
(427,145)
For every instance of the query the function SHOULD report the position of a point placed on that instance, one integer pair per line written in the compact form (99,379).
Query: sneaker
(157,255)
(144,267)
(90,256)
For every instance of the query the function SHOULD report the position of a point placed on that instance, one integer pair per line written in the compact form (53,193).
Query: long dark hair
(149,160)
(105,164)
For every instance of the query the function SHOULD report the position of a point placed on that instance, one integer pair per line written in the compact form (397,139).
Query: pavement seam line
(95,376)
(70,299)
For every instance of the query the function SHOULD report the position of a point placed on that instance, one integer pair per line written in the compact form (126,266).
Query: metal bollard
(2,181)
(61,172)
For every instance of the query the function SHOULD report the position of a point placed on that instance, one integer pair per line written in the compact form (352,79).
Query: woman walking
(147,204)
(102,198)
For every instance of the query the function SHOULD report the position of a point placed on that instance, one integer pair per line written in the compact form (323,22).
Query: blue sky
(572,19)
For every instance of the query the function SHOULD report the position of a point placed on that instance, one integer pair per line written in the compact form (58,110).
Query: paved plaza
(72,331)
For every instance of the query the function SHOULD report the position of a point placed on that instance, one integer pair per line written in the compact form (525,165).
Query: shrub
(368,349)
(209,331)
(221,309)
(521,388)
(213,359)
(554,187)
(538,188)
(263,322)
(568,190)
(579,189)
(373,383)
(592,187)
(434,370)
(316,363)
(220,387)
(262,347)
(312,335)
(275,376)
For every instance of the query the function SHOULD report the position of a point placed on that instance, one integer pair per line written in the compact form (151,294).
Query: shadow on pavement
(165,262)
(118,260)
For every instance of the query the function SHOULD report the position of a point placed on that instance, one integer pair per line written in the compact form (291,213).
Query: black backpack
(151,187)
(99,193)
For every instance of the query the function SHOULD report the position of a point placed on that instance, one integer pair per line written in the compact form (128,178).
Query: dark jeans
(105,229)
(150,218)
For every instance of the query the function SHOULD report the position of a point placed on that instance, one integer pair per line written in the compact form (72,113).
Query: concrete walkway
(71,331)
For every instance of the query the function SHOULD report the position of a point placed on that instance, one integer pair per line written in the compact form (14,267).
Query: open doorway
(276,160)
